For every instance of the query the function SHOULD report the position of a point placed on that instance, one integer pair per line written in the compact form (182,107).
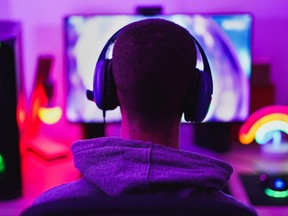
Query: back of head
(153,62)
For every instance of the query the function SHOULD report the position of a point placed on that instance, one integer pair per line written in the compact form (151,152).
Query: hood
(117,166)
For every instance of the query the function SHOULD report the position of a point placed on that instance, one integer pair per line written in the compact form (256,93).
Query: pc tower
(10,171)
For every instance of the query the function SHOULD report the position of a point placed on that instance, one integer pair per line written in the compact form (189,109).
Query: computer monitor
(226,39)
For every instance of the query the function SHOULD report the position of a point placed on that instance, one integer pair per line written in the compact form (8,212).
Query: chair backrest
(136,205)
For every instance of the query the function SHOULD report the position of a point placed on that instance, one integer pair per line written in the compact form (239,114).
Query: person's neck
(168,136)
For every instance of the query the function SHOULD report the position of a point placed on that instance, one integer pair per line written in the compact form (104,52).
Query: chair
(136,205)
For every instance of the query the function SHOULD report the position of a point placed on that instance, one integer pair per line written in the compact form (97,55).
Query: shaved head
(153,63)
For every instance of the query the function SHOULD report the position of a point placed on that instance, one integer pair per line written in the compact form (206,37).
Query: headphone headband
(111,40)
(105,95)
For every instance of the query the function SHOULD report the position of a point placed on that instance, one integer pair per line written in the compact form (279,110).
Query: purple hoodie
(116,166)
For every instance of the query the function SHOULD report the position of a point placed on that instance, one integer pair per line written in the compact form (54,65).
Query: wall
(43,33)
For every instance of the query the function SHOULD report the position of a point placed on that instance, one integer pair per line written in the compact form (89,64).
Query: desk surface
(250,159)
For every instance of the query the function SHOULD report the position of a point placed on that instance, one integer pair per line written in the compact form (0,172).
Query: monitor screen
(225,38)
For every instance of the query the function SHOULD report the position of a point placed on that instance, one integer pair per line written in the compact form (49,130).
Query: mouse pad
(255,190)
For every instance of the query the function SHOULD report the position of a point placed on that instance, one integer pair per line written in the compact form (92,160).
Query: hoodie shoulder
(78,188)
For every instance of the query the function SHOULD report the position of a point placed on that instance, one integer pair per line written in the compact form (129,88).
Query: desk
(249,159)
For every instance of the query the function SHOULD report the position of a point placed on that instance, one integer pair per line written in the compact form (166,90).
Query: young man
(154,69)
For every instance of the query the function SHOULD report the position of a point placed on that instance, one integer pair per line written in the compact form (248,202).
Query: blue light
(279,183)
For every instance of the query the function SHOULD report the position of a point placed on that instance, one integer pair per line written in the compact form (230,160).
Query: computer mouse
(275,185)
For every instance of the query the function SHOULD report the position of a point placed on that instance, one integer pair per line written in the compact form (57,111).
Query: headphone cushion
(104,89)
(199,98)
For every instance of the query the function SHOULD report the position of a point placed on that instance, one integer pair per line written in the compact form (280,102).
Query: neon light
(276,194)
(256,120)
(50,115)
(263,112)
(267,132)
(2,164)
(247,138)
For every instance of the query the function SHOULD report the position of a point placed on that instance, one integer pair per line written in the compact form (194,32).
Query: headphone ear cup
(104,89)
(199,98)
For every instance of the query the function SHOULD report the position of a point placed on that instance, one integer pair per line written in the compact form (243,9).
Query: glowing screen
(225,39)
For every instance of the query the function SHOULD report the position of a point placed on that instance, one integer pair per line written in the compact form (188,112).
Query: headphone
(104,92)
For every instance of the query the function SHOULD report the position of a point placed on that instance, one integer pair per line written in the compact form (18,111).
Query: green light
(2,164)
(276,194)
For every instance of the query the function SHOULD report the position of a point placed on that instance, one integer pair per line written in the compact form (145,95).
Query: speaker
(104,89)
(10,172)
